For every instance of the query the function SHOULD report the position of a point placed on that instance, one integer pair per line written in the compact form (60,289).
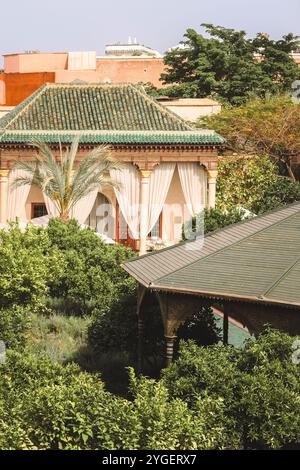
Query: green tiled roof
(257,260)
(114,137)
(120,113)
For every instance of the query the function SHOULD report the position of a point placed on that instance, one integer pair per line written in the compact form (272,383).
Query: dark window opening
(38,210)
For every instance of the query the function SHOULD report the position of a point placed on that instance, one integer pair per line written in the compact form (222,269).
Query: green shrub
(210,220)
(115,329)
(28,266)
(260,385)
(14,326)
(164,423)
(46,406)
(271,392)
(201,327)
(283,191)
(253,183)
(93,276)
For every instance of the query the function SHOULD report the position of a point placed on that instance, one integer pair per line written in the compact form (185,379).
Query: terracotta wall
(41,62)
(131,70)
(20,86)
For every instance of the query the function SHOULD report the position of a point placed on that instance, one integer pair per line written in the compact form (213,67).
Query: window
(38,209)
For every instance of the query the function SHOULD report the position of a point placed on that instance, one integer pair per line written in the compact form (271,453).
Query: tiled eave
(154,139)
(219,296)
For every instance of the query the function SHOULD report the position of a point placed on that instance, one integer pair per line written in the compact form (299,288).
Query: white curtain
(128,195)
(17,197)
(193,180)
(159,185)
(82,208)
(51,207)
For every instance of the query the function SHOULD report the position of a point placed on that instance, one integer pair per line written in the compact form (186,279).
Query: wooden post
(169,350)
(140,297)
(225,326)
(140,344)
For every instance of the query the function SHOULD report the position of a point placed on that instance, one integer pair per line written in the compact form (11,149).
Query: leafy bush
(212,219)
(202,328)
(260,385)
(253,183)
(93,275)
(283,191)
(116,328)
(46,406)
(115,331)
(29,266)
(14,324)
(164,423)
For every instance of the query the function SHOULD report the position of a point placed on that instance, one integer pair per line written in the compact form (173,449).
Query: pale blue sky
(71,25)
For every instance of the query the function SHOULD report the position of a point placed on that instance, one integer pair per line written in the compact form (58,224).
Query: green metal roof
(101,113)
(257,260)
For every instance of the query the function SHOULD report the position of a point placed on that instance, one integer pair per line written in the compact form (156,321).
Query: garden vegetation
(66,303)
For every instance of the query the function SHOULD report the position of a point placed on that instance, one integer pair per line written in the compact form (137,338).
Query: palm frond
(21,181)
(55,178)
(95,181)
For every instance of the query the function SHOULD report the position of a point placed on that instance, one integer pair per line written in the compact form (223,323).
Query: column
(169,350)
(212,182)
(144,199)
(3,195)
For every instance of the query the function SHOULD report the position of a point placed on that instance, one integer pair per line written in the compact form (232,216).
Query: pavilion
(169,168)
(250,269)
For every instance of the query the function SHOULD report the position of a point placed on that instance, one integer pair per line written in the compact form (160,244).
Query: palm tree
(60,181)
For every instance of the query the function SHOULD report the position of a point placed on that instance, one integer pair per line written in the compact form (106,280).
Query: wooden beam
(225,325)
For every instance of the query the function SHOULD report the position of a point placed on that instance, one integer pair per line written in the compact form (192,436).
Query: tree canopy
(269,126)
(229,65)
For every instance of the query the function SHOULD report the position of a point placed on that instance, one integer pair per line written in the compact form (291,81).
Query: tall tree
(269,127)
(230,66)
(63,182)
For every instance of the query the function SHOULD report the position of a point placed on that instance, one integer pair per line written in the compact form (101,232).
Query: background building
(25,72)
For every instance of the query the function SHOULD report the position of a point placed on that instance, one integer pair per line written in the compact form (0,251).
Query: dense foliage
(212,397)
(269,127)
(14,326)
(29,267)
(230,66)
(210,220)
(257,185)
(260,386)
(92,274)
(62,266)
(47,406)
